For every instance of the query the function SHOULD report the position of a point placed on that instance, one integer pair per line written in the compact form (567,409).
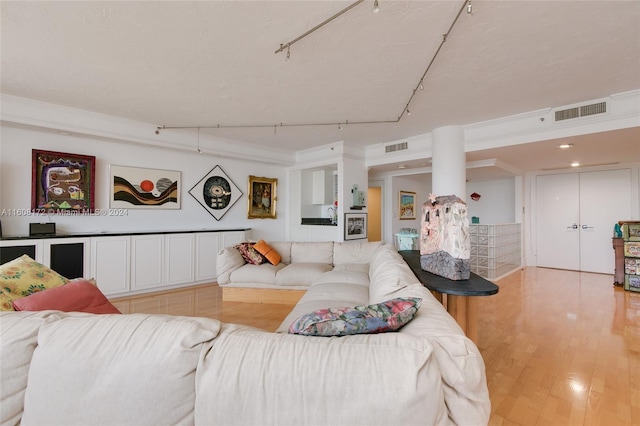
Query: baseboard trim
(261,295)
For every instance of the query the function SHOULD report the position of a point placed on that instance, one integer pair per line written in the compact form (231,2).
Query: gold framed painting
(261,202)
(407,205)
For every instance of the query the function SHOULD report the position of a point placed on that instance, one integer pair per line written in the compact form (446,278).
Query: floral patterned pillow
(250,254)
(24,276)
(382,317)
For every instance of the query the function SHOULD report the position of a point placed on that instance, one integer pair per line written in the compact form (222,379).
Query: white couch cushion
(18,337)
(354,251)
(283,248)
(83,362)
(344,277)
(388,272)
(327,295)
(317,252)
(459,360)
(353,267)
(262,274)
(281,379)
(301,273)
(228,260)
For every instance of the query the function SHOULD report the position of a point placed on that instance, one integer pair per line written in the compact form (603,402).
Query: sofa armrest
(229,259)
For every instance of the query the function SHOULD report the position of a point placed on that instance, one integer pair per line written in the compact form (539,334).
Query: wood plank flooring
(560,347)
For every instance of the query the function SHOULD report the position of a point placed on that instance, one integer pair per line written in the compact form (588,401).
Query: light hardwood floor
(560,347)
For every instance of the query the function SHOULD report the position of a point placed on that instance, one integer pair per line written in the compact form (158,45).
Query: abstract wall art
(140,188)
(216,192)
(62,182)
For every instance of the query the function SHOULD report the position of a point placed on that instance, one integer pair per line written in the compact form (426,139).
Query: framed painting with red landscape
(140,188)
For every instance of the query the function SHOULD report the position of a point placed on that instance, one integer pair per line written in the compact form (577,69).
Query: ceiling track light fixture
(287,46)
(376,6)
(284,46)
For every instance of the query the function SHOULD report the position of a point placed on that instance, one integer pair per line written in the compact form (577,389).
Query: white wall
(15,186)
(496,204)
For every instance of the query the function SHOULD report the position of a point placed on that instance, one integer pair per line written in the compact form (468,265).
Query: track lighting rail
(320,25)
(287,46)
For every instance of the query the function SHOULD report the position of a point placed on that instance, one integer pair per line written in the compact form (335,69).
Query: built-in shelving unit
(631,235)
(129,263)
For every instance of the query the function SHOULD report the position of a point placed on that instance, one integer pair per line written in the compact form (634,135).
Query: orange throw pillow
(267,251)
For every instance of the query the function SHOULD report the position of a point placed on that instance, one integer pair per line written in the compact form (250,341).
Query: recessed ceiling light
(565,145)
(402,166)
(575,164)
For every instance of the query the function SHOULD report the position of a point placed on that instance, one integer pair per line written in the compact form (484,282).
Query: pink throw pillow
(76,296)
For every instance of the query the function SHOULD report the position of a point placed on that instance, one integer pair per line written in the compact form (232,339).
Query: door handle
(587,227)
(574,226)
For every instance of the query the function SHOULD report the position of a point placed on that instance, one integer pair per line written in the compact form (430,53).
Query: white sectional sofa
(78,369)
(302,264)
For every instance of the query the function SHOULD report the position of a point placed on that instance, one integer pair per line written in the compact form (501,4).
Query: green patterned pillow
(24,276)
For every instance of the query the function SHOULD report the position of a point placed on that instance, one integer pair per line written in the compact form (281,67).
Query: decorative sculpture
(444,237)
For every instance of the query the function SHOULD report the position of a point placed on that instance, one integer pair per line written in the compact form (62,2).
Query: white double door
(575,216)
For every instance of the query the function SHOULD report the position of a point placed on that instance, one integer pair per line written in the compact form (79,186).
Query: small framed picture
(632,231)
(261,203)
(632,282)
(632,248)
(355,226)
(407,205)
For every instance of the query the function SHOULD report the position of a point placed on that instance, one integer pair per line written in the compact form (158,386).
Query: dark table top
(474,286)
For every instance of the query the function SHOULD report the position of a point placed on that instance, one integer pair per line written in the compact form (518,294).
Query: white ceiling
(209,63)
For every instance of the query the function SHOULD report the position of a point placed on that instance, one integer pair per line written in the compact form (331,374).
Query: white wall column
(449,168)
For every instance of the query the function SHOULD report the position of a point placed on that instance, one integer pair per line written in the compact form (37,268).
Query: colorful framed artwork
(355,226)
(140,188)
(62,182)
(632,283)
(632,248)
(632,231)
(261,203)
(216,192)
(407,205)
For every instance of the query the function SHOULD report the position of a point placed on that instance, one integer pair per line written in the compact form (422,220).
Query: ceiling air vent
(581,111)
(396,147)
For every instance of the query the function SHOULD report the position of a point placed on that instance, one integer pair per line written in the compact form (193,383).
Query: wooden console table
(461,302)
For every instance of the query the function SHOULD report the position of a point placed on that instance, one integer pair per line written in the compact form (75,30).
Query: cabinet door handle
(587,227)
(574,226)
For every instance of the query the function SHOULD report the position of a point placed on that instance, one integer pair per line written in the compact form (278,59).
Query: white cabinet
(207,248)
(125,264)
(70,257)
(232,238)
(110,263)
(179,258)
(323,188)
(147,260)
(13,249)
